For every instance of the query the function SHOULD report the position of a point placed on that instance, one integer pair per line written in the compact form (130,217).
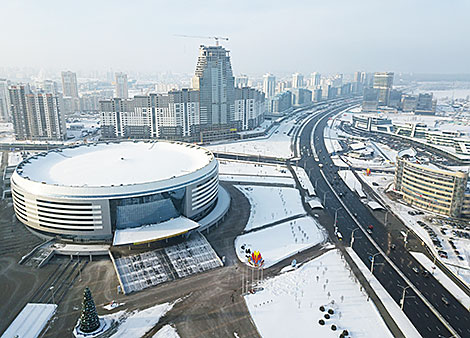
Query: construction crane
(216,38)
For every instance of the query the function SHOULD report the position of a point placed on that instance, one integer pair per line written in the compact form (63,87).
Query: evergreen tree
(89,321)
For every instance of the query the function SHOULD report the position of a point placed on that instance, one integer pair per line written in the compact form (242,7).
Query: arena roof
(115,163)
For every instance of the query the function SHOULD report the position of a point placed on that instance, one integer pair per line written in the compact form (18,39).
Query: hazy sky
(265,36)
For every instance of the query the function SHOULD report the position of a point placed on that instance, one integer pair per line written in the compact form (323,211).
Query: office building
(121,90)
(280,102)
(215,82)
(370,100)
(269,85)
(317,95)
(297,80)
(36,116)
(383,82)
(425,104)
(408,103)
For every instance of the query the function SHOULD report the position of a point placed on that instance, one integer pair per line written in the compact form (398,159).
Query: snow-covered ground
(352,182)
(258,179)
(278,144)
(457,292)
(230,167)
(166,331)
(271,204)
(137,323)
(288,305)
(281,241)
(14,158)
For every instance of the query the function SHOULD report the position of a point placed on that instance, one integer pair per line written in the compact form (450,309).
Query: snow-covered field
(281,241)
(352,182)
(288,305)
(166,331)
(271,204)
(278,144)
(137,323)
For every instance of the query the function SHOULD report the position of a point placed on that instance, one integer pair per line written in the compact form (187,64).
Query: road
(425,321)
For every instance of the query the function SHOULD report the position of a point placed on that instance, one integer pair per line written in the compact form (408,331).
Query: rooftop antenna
(216,38)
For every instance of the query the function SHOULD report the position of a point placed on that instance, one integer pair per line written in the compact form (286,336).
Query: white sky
(277,36)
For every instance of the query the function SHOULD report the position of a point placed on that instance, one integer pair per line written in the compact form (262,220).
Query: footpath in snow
(280,241)
(443,279)
(166,331)
(271,204)
(289,304)
(402,321)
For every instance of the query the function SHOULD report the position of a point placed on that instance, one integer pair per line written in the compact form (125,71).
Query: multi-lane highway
(430,307)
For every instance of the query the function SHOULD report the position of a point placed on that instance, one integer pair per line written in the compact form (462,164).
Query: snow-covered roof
(116,163)
(30,321)
(375,206)
(152,232)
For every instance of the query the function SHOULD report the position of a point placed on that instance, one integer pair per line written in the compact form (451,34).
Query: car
(369,231)
(355,214)
(375,184)
(460,257)
(316,215)
(393,246)
(371,227)
(445,301)
(340,194)
(425,273)
(416,270)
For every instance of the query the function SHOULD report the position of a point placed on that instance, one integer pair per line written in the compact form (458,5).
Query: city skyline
(352,37)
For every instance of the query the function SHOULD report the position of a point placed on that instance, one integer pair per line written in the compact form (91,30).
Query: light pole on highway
(316,182)
(324,198)
(373,261)
(352,237)
(336,215)
(402,300)
(52,292)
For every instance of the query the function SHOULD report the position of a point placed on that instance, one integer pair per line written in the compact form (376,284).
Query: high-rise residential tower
(36,116)
(4,101)
(69,84)
(269,85)
(383,82)
(315,80)
(297,80)
(215,81)
(121,86)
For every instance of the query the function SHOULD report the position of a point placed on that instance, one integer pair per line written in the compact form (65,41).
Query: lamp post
(352,237)
(324,198)
(402,300)
(372,263)
(336,215)
(52,292)
(316,182)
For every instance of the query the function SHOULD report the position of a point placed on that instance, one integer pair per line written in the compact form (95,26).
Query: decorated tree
(89,321)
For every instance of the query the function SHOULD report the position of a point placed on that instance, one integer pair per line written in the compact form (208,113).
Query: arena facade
(88,193)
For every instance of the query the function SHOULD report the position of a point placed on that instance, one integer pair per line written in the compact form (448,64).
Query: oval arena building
(87,193)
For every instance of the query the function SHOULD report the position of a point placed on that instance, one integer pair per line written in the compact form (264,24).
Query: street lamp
(324,198)
(316,182)
(402,300)
(405,238)
(336,215)
(372,262)
(352,237)
(52,292)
